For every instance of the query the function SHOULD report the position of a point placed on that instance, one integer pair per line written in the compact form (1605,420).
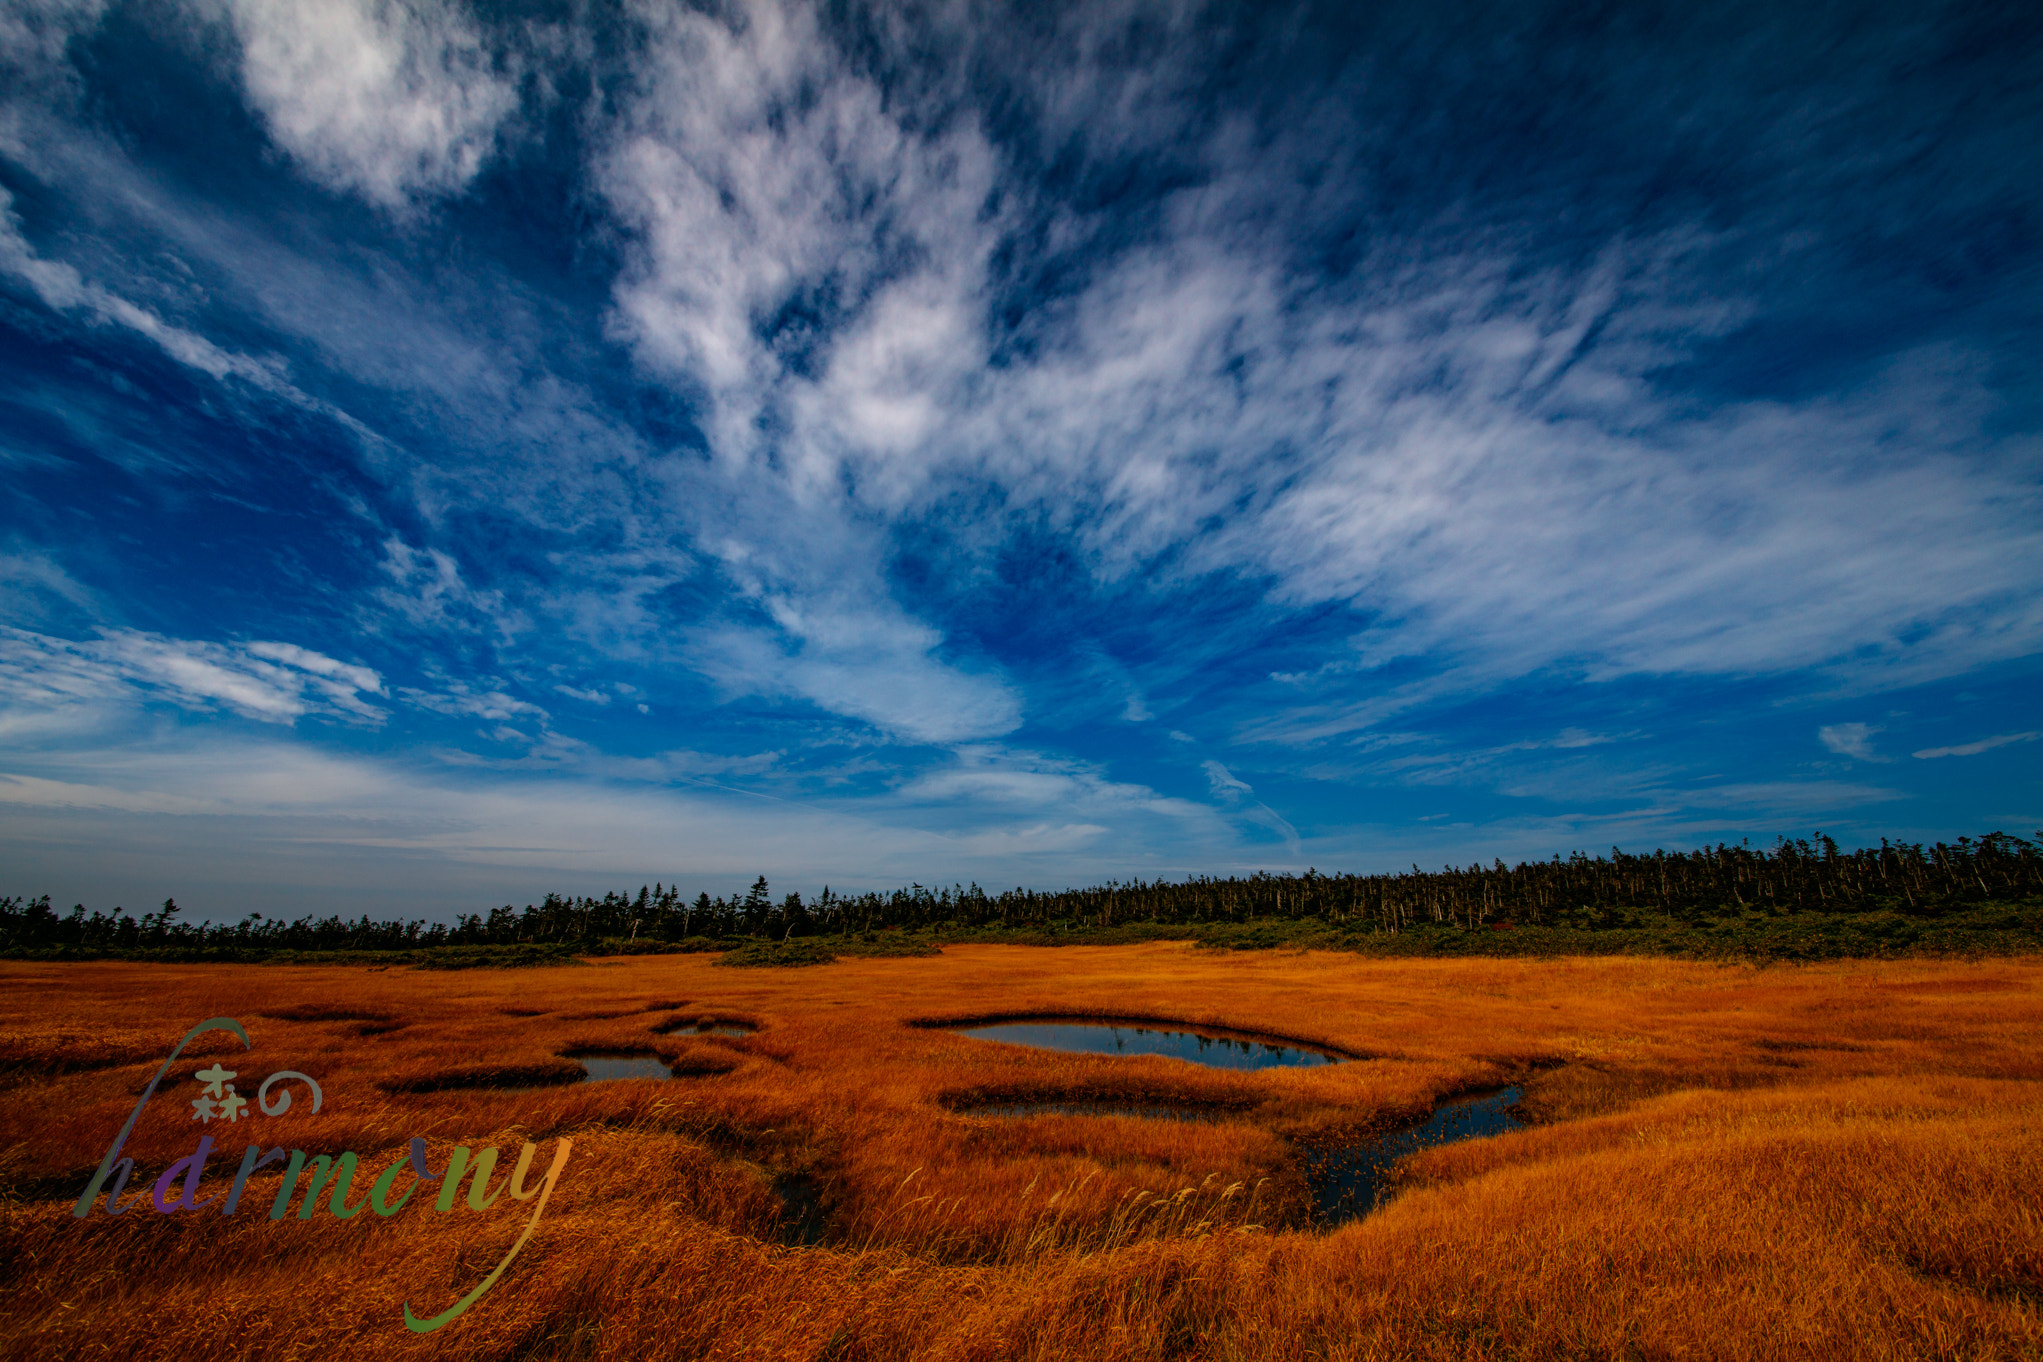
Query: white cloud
(62,288)
(35,792)
(33,586)
(343,675)
(389,98)
(865,660)
(427,589)
(1391,452)
(1240,798)
(1035,841)
(301,802)
(1476,448)
(757,170)
(1973,749)
(462,700)
(1225,784)
(1788,795)
(228,824)
(1010,778)
(756,173)
(1851,740)
(48,682)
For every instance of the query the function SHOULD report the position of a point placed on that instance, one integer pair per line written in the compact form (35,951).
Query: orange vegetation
(1840,1160)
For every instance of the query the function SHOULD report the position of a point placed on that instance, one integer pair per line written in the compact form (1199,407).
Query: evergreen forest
(1873,900)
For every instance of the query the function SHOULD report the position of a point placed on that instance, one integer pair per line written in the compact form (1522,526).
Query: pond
(1147,1113)
(1198,1047)
(709,1027)
(1349,1183)
(604,1068)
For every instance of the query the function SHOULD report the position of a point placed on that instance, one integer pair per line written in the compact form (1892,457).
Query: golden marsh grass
(1835,1160)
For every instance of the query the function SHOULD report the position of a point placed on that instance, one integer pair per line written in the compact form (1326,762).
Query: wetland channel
(1347,1181)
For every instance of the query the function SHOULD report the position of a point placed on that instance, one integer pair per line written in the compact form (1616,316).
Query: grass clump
(822,950)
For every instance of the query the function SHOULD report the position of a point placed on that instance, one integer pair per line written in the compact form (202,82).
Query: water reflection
(603,1068)
(1349,1183)
(1148,1113)
(709,1028)
(1093,1038)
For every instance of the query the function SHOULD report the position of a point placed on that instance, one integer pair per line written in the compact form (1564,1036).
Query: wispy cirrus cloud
(931,399)
(464,700)
(61,287)
(425,588)
(1015,778)
(1462,449)
(1973,749)
(45,681)
(1237,795)
(1798,797)
(1468,448)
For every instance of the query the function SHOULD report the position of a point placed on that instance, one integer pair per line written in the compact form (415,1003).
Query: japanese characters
(332,1175)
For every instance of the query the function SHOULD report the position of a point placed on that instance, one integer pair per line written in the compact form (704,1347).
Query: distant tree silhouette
(1579,891)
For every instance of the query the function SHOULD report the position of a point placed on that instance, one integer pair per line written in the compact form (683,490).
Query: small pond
(1348,1183)
(1147,1113)
(1100,1038)
(603,1068)
(709,1028)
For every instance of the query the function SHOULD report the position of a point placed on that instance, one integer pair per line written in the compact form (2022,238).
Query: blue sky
(454,453)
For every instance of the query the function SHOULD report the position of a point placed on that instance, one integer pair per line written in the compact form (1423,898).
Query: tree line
(1792,876)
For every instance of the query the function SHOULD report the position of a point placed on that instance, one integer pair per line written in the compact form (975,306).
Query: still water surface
(1145,1112)
(604,1068)
(1095,1038)
(709,1028)
(1348,1183)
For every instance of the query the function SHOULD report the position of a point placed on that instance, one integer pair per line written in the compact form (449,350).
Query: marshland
(1199,487)
(1669,1157)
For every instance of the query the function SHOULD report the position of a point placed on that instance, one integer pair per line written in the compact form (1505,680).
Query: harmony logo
(219,1101)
